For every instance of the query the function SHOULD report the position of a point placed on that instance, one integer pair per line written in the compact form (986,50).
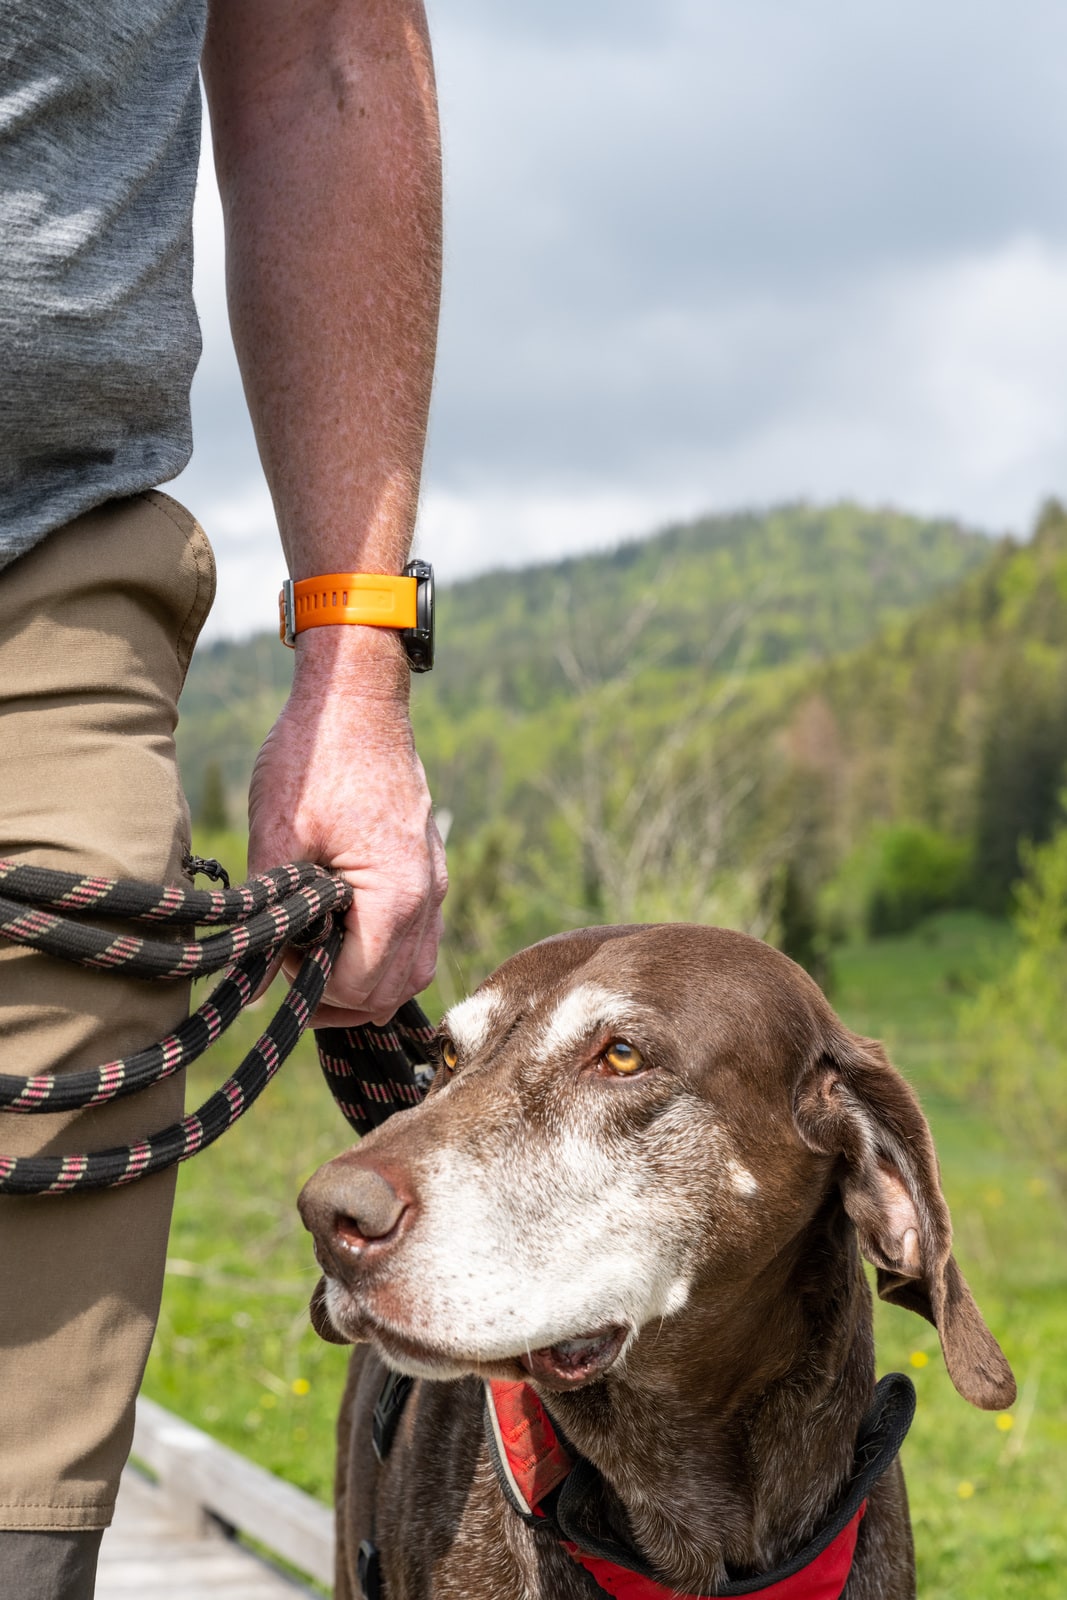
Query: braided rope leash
(371,1071)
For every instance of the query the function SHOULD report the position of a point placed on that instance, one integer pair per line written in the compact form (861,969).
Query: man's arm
(326,146)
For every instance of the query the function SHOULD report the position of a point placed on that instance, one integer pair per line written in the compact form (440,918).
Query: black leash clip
(207,866)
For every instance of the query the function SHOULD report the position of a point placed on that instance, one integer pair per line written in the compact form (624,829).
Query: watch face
(419,640)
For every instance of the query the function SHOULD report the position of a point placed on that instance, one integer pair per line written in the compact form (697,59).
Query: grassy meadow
(236,1356)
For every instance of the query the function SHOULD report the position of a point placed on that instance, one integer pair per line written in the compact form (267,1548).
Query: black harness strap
(387,1414)
(388,1411)
(881,1434)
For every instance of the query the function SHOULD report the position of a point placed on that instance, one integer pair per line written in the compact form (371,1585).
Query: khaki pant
(97,625)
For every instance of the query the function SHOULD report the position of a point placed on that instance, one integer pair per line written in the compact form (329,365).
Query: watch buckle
(287,614)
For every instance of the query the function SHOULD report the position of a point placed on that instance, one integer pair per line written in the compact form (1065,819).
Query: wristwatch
(369,599)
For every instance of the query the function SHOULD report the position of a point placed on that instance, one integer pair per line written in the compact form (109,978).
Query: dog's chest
(456,1538)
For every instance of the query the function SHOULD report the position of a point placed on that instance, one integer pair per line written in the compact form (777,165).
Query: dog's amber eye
(449,1054)
(622,1057)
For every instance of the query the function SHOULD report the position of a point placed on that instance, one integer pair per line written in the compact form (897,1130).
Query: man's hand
(338,782)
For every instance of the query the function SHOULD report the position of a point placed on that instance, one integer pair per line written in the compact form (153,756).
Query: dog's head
(627,1122)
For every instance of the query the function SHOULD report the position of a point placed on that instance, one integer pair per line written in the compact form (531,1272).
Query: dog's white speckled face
(586,1153)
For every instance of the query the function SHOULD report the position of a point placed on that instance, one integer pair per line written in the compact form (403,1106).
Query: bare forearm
(326,145)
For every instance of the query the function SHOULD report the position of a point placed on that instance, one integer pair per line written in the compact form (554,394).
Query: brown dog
(640,1184)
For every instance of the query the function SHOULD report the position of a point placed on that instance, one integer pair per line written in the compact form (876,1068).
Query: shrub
(898,876)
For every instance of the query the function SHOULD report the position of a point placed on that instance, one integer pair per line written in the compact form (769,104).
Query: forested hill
(752,592)
(955,718)
(780,585)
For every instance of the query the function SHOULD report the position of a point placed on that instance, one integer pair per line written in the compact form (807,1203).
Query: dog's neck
(729,1450)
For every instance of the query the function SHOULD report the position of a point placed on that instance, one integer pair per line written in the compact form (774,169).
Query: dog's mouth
(575,1361)
(565,1365)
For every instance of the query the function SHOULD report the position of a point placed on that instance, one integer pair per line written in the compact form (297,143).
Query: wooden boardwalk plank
(144,1554)
(162,1545)
(197,1470)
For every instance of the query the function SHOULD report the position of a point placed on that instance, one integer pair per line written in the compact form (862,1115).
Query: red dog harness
(548,1484)
(536,1470)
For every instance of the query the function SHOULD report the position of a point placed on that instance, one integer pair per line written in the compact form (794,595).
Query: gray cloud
(700,252)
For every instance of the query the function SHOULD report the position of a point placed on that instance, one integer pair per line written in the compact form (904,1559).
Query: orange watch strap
(367,598)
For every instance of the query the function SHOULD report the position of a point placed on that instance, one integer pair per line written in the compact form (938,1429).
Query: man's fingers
(383,961)
(374,968)
(391,939)
(399,985)
(382,1004)
(425,967)
(339,1017)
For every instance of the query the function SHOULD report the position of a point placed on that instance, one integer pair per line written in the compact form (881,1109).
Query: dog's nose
(347,1207)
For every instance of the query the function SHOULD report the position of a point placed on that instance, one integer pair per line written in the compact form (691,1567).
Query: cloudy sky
(711,253)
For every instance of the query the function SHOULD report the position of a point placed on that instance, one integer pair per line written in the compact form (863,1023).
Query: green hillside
(774,587)
(231,697)
(799,722)
(751,592)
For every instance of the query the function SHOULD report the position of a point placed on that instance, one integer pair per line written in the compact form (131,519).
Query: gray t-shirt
(99,142)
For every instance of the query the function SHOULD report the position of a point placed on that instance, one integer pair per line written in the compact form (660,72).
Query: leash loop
(278,915)
(371,1071)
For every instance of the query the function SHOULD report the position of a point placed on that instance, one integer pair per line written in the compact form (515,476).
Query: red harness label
(534,1457)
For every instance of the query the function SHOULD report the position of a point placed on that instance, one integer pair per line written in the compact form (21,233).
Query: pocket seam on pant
(204,560)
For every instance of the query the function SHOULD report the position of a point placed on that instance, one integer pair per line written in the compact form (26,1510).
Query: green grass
(987,1498)
(235,1354)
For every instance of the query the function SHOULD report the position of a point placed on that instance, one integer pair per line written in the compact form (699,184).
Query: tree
(799,935)
(1022,767)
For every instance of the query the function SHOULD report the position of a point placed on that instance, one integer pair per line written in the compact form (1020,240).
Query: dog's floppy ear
(853,1104)
(320,1317)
